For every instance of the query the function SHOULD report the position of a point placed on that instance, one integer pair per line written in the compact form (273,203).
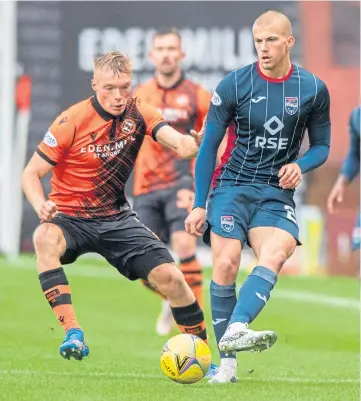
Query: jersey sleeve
(319,131)
(224,101)
(319,123)
(153,119)
(203,101)
(58,139)
(351,165)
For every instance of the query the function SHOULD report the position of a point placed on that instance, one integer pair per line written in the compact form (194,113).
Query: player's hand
(185,199)
(47,211)
(290,176)
(195,221)
(198,136)
(336,197)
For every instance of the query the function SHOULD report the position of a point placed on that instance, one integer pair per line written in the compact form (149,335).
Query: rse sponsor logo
(63,120)
(271,143)
(216,100)
(50,140)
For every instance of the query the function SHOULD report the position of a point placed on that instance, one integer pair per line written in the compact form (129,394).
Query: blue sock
(253,295)
(223,301)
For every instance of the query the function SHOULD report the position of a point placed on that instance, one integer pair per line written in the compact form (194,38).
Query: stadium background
(56,43)
(50,45)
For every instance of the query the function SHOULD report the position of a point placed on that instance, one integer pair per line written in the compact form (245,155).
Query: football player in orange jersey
(90,149)
(163,185)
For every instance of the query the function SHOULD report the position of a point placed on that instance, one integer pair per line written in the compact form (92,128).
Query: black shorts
(122,240)
(158,210)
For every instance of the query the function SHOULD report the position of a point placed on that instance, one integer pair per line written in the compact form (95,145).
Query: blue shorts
(232,211)
(356,235)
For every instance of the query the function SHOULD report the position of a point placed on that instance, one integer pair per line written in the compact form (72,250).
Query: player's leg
(228,214)
(143,256)
(178,201)
(150,211)
(273,236)
(138,253)
(226,256)
(53,246)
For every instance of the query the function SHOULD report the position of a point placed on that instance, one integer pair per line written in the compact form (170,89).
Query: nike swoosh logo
(259,98)
(262,297)
(215,322)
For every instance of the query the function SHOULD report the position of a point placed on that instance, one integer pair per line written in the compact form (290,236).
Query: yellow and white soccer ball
(185,358)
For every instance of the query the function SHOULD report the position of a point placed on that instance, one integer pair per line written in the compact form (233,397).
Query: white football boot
(226,373)
(165,322)
(238,337)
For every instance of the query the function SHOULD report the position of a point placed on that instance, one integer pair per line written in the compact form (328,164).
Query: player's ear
(290,43)
(93,84)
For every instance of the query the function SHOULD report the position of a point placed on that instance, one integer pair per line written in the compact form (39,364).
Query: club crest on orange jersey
(291,105)
(128,126)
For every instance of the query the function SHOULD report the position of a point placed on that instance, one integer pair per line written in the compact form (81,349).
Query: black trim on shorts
(157,127)
(45,157)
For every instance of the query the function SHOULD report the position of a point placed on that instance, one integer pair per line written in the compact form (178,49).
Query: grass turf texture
(315,358)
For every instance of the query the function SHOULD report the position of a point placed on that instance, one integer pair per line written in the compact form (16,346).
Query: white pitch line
(18,372)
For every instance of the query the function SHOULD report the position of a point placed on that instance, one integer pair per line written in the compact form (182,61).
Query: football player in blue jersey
(272,103)
(349,170)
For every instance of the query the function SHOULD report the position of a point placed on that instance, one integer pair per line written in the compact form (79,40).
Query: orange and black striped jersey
(184,106)
(93,154)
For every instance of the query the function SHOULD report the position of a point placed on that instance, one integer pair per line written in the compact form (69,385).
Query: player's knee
(225,270)
(46,239)
(169,281)
(274,260)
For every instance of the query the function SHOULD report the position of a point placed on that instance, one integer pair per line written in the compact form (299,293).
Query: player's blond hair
(115,61)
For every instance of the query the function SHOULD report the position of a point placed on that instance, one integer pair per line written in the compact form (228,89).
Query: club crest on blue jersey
(291,105)
(227,223)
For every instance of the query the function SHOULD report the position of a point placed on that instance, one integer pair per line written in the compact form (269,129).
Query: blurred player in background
(163,181)
(272,102)
(349,170)
(91,150)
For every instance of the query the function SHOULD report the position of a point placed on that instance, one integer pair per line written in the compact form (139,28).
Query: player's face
(166,54)
(272,46)
(113,90)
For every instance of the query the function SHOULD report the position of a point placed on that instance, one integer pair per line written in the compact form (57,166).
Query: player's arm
(186,146)
(221,112)
(350,167)
(49,152)
(319,134)
(33,190)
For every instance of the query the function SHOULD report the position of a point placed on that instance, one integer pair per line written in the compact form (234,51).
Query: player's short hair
(167,31)
(115,61)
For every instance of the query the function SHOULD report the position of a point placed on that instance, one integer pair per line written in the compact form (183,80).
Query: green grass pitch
(315,358)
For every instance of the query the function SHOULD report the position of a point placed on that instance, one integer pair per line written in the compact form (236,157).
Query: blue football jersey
(270,118)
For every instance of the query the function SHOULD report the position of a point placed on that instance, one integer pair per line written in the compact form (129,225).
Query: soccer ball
(185,358)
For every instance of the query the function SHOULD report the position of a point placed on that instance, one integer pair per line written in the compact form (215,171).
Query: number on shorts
(290,213)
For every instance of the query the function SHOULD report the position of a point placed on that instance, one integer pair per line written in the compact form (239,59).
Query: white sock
(238,326)
(229,362)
